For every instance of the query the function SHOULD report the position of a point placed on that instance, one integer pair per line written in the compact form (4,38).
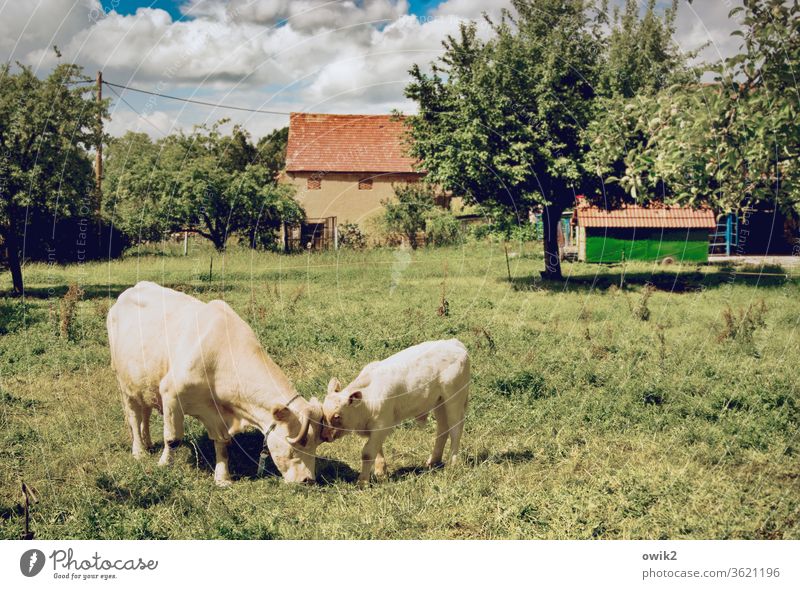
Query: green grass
(585,420)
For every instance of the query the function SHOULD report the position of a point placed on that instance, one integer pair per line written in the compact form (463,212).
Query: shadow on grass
(664,281)
(243,456)
(105,291)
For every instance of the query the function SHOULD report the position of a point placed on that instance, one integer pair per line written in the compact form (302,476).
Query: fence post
(728,233)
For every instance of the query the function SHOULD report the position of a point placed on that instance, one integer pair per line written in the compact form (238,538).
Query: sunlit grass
(585,420)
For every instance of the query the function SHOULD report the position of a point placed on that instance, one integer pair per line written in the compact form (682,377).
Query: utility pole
(98,162)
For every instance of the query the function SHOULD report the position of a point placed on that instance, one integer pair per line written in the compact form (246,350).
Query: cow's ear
(281,413)
(334,386)
(355,397)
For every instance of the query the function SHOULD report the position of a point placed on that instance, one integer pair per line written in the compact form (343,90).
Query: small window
(365,184)
(314,184)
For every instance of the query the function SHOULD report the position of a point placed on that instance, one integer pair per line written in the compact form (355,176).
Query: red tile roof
(346,143)
(638,216)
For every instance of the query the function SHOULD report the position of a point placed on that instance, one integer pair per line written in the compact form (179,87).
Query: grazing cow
(181,356)
(432,376)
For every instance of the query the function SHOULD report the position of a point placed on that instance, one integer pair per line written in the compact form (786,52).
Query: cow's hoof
(222,483)
(362,484)
(431,463)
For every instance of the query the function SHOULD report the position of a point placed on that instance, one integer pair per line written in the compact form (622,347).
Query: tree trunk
(551,217)
(14,264)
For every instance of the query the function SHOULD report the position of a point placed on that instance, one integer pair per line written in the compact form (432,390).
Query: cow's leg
(222,475)
(369,453)
(380,463)
(441,435)
(456,410)
(173,420)
(144,426)
(133,415)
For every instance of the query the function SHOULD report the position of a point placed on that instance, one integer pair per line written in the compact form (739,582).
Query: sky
(336,56)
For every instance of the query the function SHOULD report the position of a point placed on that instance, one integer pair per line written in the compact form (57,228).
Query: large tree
(500,120)
(729,144)
(204,181)
(47,127)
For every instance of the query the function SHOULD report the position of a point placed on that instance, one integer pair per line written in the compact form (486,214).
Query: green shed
(634,232)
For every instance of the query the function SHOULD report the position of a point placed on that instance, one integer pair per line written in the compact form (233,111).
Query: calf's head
(342,410)
(293,443)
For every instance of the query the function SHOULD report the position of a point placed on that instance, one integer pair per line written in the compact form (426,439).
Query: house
(654,233)
(343,167)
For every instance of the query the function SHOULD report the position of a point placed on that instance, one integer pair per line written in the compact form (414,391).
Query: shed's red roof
(346,143)
(638,216)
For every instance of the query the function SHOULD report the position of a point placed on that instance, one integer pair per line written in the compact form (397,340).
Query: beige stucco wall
(340,197)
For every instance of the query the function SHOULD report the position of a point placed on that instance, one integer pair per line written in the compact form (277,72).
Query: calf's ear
(281,413)
(355,397)
(334,386)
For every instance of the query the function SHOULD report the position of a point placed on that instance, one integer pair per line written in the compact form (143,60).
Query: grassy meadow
(634,401)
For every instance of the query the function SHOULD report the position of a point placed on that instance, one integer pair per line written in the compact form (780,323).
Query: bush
(351,236)
(442,228)
(408,214)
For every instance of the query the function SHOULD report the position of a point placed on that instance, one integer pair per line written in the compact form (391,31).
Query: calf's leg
(173,420)
(380,463)
(456,410)
(441,435)
(133,415)
(144,426)
(369,453)
(222,475)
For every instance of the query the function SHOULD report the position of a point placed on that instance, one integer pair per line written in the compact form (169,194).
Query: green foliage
(271,151)
(47,127)
(204,181)
(442,228)
(729,145)
(408,212)
(351,236)
(641,56)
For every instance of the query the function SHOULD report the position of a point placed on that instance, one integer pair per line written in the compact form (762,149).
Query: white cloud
(334,56)
(27,25)
(707,21)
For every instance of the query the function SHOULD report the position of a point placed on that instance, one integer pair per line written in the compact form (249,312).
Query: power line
(128,104)
(201,102)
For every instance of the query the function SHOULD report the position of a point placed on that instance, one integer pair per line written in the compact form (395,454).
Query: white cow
(432,376)
(181,356)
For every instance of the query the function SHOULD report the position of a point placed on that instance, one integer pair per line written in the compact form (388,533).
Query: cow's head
(293,443)
(343,411)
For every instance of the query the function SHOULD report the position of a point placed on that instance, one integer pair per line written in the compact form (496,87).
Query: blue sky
(418,7)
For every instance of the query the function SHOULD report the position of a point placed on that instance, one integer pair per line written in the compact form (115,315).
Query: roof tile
(346,143)
(639,216)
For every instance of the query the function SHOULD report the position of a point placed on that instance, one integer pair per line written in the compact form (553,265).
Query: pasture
(603,408)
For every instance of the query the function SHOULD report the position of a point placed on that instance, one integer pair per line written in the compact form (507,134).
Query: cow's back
(146,327)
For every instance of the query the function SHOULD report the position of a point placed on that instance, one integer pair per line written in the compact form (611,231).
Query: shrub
(741,325)
(351,236)
(442,228)
(69,307)
(408,213)
(642,311)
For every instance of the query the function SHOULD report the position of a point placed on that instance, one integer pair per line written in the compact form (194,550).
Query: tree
(204,181)
(641,60)
(409,213)
(136,187)
(271,150)
(641,56)
(500,120)
(46,129)
(730,144)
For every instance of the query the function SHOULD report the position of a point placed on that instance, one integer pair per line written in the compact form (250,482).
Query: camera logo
(31,562)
